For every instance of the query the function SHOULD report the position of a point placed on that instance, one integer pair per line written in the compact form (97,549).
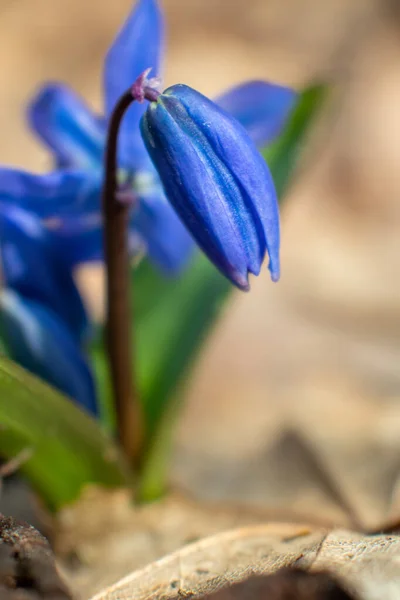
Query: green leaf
(68,447)
(171,320)
(3,348)
(283,154)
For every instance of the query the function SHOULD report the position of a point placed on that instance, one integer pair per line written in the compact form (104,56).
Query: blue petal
(68,203)
(80,240)
(68,127)
(197,194)
(32,265)
(232,145)
(40,342)
(53,195)
(261,107)
(216,180)
(138,46)
(165,239)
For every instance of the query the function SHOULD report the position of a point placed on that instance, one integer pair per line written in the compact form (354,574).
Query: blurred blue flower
(50,223)
(69,199)
(216,180)
(42,318)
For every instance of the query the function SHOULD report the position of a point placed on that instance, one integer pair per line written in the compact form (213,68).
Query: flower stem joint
(214,177)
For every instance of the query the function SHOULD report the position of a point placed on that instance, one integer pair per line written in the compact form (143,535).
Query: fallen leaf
(104,535)
(369,565)
(286,584)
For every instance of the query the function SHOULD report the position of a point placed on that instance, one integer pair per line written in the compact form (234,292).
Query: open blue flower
(69,199)
(42,318)
(51,222)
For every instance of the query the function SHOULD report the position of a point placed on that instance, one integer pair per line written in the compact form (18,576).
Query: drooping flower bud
(217,181)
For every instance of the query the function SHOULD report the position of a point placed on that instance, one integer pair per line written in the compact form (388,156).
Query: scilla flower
(215,179)
(42,319)
(68,200)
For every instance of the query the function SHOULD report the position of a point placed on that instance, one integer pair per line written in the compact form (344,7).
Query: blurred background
(318,354)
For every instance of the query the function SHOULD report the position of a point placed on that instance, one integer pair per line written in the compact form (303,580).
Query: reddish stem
(119,342)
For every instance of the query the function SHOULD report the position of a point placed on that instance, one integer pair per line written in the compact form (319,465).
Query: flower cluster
(194,175)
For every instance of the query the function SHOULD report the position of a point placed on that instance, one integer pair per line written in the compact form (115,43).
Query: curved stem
(130,425)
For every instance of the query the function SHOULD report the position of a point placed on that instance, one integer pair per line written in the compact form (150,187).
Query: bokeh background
(318,353)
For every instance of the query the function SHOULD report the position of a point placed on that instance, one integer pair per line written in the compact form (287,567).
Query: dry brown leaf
(104,536)
(325,447)
(286,584)
(370,565)
(108,537)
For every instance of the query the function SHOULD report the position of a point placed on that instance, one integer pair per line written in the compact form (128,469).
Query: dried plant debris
(17,497)
(27,566)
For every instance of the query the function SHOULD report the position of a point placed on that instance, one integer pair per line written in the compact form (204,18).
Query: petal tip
(240,281)
(275,276)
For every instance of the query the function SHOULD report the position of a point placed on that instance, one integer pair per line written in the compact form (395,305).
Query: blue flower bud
(217,181)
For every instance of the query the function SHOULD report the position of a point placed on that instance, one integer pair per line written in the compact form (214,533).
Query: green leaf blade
(68,448)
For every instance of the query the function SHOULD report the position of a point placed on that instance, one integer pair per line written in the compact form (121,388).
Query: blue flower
(43,321)
(49,223)
(216,180)
(69,199)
